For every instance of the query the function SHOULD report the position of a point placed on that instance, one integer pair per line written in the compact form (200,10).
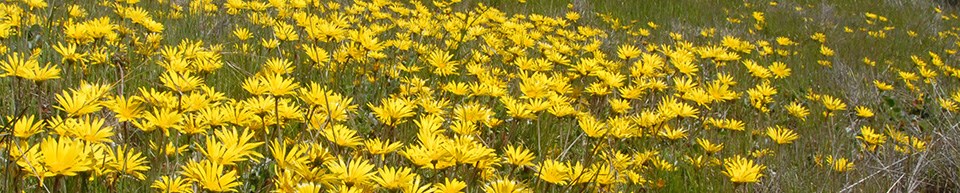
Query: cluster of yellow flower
(458,98)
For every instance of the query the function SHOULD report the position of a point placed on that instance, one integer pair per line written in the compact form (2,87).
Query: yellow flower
(833,104)
(276,66)
(38,4)
(126,108)
(254,85)
(269,44)
(757,70)
(737,44)
(168,149)
(518,156)
(310,187)
(473,112)
(279,86)
(573,16)
(342,136)
(742,170)
(25,127)
(785,41)
(28,157)
(535,86)
(720,92)
(376,147)
(194,125)
(231,147)
(759,153)
(578,174)
(77,103)
(781,135)
(949,105)
(870,138)
(393,178)
(64,157)
(708,146)
(700,161)
(180,82)
(157,98)
(457,88)
(326,31)
(592,127)
(797,110)
(869,62)
(210,176)
(517,109)
(37,73)
(627,52)
(327,104)
(356,172)
(670,108)
(779,70)
(554,172)
(242,33)
(392,111)
(431,150)
(162,118)
(864,112)
(285,32)
(76,11)
(672,133)
(839,164)
(761,95)
(129,162)
(442,62)
(826,51)
(504,186)
(318,55)
(619,105)
(289,158)
(89,130)
(451,186)
(604,174)
(819,37)
(172,185)
(882,86)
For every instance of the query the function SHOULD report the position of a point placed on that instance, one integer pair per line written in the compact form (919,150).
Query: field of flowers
(479,96)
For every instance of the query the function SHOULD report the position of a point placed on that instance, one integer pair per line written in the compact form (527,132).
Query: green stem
(276,114)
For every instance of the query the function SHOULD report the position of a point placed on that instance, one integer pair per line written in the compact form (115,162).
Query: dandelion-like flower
(742,170)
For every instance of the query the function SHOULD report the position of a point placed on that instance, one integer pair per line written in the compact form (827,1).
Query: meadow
(479,96)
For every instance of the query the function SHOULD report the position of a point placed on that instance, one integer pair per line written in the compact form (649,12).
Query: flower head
(742,170)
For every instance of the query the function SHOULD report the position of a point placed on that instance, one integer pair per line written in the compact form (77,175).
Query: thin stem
(276,113)
(56,183)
